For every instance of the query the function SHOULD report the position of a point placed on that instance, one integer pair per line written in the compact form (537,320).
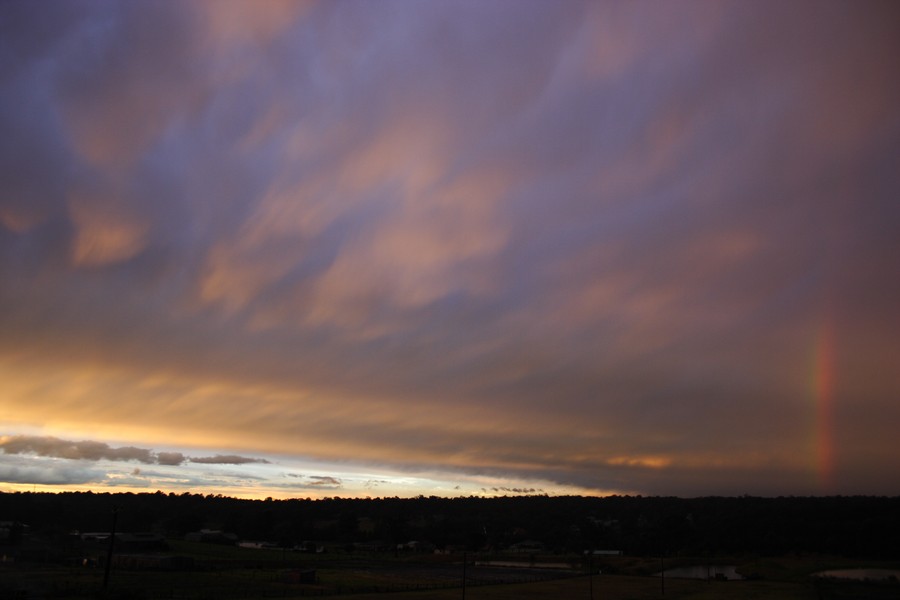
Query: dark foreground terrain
(194,546)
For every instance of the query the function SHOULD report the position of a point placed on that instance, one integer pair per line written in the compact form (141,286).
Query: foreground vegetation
(234,573)
(637,526)
(523,547)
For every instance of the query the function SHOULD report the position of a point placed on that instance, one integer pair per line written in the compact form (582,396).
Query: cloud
(315,481)
(515,490)
(92,450)
(170,458)
(29,470)
(85,449)
(319,480)
(229,459)
(55,475)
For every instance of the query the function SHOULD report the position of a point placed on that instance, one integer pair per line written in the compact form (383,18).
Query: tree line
(857,526)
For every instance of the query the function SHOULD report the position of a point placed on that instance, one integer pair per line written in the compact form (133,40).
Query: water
(703,571)
(861,574)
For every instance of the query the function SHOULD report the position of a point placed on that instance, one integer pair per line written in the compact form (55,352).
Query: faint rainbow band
(823,385)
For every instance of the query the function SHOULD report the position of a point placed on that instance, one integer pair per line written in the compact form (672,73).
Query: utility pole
(591,572)
(662,574)
(465,560)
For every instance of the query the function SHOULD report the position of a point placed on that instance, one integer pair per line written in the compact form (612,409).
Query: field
(226,572)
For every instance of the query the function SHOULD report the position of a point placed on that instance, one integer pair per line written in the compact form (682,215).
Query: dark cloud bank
(92,450)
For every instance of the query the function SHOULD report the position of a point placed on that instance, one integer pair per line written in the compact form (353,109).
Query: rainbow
(823,385)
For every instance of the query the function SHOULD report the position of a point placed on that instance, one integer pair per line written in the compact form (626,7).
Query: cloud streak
(56,475)
(313,482)
(95,451)
(226,459)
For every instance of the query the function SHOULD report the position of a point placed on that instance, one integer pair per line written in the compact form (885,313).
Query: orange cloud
(236,21)
(650,462)
(19,219)
(107,232)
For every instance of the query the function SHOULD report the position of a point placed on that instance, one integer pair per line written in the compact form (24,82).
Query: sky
(397,248)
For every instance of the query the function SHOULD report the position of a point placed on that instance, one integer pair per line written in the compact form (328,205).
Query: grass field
(619,587)
(228,572)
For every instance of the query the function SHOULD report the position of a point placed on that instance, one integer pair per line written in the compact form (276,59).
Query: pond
(704,572)
(861,574)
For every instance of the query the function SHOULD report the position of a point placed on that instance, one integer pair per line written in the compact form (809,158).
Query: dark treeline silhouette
(852,526)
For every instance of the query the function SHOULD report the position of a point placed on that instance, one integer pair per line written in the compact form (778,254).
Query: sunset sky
(376,248)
